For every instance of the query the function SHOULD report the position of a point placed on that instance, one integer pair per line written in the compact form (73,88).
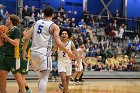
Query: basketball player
(64,62)
(79,70)
(42,33)
(9,61)
(24,64)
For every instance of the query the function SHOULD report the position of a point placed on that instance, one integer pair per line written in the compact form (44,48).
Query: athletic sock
(77,79)
(27,88)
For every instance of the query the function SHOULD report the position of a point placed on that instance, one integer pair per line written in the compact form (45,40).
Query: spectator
(1,13)
(81,23)
(73,25)
(109,52)
(26,14)
(125,63)
(61,8)
(109,65)
(79,39)
(103,53)
(54,68)
(101,65)
(40,15)
(131,63)
(99,22)
(5,16)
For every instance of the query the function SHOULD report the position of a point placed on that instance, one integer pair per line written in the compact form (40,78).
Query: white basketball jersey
(62,56)
(78,51)
(42,38)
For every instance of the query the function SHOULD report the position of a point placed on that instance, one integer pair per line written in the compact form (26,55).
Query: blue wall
(30,3)
(133,9)
(95,6)
(10,5)
(72,5)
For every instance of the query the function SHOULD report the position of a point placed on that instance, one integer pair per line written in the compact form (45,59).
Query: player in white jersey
(64,62)
(41,34)
(79,70)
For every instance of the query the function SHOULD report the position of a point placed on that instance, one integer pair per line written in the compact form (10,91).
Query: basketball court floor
(88,86)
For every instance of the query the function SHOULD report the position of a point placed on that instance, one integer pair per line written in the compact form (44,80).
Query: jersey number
(64,54)
(39,31)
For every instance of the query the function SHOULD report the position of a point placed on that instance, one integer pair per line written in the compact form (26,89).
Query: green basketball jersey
(8,48)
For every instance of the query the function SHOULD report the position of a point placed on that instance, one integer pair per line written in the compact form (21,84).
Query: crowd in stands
(99,34)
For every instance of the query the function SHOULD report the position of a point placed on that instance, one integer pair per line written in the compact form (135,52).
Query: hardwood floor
(89,86)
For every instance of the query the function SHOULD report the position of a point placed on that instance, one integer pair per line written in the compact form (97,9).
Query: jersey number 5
(39,31)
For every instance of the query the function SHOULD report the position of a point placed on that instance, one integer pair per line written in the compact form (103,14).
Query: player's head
(65,33)
(13,19)
(82,46)
(48,11)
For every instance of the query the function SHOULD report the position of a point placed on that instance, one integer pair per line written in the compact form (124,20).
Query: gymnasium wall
(95,6)
(133,8)
(30,3)
(69,5)
(10,5)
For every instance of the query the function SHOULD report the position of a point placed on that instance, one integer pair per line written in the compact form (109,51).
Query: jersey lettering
(39,31)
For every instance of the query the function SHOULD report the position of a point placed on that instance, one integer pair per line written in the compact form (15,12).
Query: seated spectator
(26,14)
(131,63)
(116,64)
(1,13)
(125,63)
(5,16)
(61,8)
(108,29)
(83,32)
(101,65)
(109,52)
(73,23)
(102,39)
(109,65)
(88,44)
(94,38)
(112,34)
(89,30)
(80,39)
(131,50)
(96,51)
(81,23)
(136,39)
(66,23)
(94,63)
(34,12)
(99,22)
(40,15)
(120,60)
(118,50)
(120,33)
(103,53)
(115,26)
(54,68)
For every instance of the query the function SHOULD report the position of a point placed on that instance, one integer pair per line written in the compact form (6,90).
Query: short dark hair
(48,11)
(15,19)
(67,30)
(80,44)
